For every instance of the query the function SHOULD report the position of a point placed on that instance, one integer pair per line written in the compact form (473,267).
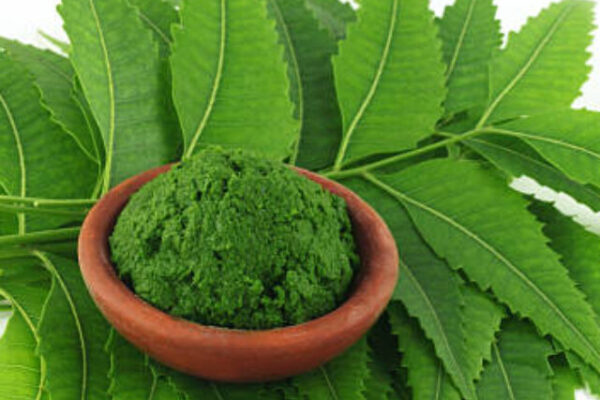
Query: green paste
(232,240)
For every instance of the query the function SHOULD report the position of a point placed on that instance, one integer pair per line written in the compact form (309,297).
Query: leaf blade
(519,256)
(383,99)
(243,100)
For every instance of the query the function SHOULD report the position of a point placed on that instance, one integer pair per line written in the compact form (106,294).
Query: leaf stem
(403,156)
(18,209)
(41,202)
(53,235)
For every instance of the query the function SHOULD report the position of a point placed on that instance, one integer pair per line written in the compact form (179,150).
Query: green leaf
(77,363)
(389,79)
(567,139)
(519,367)
(470,34)
(481,320)
(34,164)
(308,51)
(544,65)
(131,375)
(23,371)
(471,219)
(384,362)
(61,45)
(159,16)
(230,86)
(429,289)
(342,378)
(516,159)
(54,76)
(564,382)
(579,250)
(118,64)
(426,374)
(333,15)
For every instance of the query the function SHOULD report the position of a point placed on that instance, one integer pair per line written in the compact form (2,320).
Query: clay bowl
(239,355)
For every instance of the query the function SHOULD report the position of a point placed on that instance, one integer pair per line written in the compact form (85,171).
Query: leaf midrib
(372,90)
(111,97)
(154,26)
(216,82)
(332,390)
(21,157)
(511,267)
(525,68)
(296,68)
(460,41)
(503,371)
(49,265)
(441,331)
(534,137)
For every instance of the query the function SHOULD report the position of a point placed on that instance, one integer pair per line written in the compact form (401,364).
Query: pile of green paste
(229,239)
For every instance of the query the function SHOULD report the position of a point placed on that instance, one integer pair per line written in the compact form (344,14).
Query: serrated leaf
(516,159)
(579,250)
(333,15)
(159,16)
(470,34)
(23,371)
(230,87)
(34,164)
(567,139)
(544,65)
(429,289)
(76,362)
(342,378)
(389,78)
(55,78)
(470,218)
(426,374)
(117,62)
(308,51)
(481,320)
(519,368)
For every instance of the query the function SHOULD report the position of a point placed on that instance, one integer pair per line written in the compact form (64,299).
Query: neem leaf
(77,363)
(516,159)
(470,218)
(426,374)
(567,139)
(342,378)
(389,78)
(131,375)
(579,250)
(159,16)
(429,289)
(519,368)
(54,76)
(229,81)
(470,34)
(33,164)
(308,51)
(23,371)
(333,15)
(544,65)
(117,62)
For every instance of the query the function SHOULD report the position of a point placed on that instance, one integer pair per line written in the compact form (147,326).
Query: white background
(21,19)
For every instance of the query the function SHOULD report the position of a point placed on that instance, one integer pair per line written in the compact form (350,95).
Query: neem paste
(232,240)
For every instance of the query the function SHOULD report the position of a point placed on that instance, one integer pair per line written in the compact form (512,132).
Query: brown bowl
(239,355)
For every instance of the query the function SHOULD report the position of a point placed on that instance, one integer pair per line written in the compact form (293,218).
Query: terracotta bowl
(239,355)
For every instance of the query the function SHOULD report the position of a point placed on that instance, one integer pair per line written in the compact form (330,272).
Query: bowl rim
(372,288)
